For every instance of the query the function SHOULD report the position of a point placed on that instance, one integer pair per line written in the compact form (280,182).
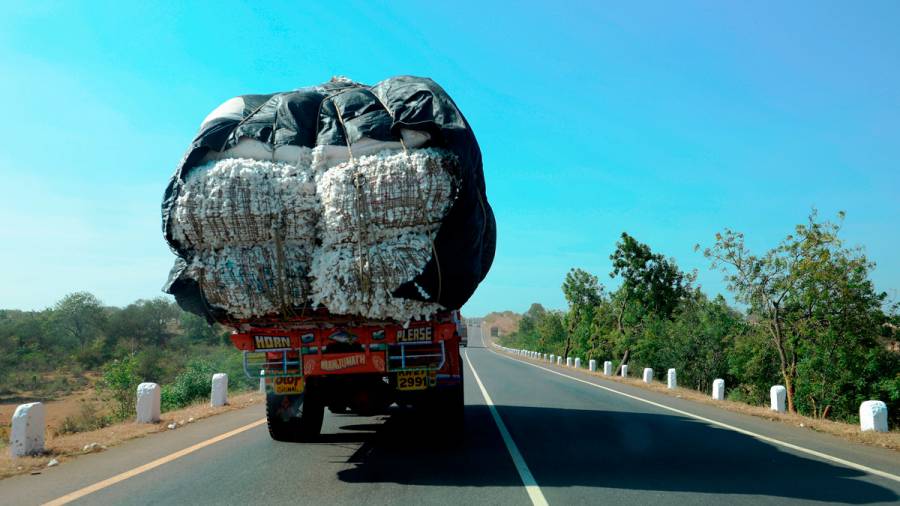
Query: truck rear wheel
(294,417)
(447,407)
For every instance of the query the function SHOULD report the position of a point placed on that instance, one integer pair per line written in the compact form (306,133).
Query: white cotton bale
(672,379)
(592,365)
(219,393)
(26,436)
(873,416)
(577,363)
(147,403)
(625,371)
(568,361)
(718,392)
(607,368)
(648,375)
(777,396)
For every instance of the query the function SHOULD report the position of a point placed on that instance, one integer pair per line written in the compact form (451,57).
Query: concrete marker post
(648,375)
(718,392)
(873,416)
(262,381)
(568,361)
(552,358)
(26,434)
(672,379)
(219,394)
(577,363)
(625,371)
(558,360)
(592,365)
(607,368)
(147,403)
(777,396)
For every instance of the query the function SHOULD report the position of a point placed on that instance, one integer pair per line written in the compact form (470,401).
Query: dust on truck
(337,229)
(361,369)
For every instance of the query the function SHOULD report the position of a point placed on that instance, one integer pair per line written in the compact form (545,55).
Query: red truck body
(312,362)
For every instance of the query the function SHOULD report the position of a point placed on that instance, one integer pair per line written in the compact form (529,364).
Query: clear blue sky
(669,120)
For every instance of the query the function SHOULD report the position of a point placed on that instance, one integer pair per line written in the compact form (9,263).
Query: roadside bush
(192,384)
(89,418)
(119,386)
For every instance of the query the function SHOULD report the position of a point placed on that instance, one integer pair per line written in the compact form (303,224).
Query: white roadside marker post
(568,361)
(558,360)
(625,371)
(592,365)
(262,381)
(607,368)
(147,404)
(777,395)
(552,358)
(672,380)
(26,436)
(648,375)
(219,394)
(718,392)
(577,363)
(873,416)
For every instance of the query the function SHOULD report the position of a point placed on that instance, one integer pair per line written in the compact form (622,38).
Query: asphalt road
(579,443)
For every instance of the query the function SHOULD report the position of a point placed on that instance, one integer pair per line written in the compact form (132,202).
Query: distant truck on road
(312,363)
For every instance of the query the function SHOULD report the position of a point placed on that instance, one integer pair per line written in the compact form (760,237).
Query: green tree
(79,317)
(651,285)
(583,293)
(815,300)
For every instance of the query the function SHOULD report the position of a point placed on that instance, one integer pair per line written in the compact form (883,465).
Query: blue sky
(669,120)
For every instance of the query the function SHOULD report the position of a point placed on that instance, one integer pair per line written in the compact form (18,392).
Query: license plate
(412,380)
(283,385)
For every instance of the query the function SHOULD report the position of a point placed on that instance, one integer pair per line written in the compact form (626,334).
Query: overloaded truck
(337,229)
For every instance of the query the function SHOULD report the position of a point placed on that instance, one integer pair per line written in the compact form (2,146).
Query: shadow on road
(617,450)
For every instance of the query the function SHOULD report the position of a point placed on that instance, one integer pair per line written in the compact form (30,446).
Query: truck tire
(294,417)
(448,407)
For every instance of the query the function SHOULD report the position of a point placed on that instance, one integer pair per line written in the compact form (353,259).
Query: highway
(572,441)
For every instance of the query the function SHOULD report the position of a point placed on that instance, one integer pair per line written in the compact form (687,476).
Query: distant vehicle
(462,328)
(312,363)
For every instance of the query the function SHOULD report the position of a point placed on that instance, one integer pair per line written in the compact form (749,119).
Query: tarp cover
(342,112)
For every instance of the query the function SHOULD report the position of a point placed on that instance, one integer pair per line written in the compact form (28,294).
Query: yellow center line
(100,485)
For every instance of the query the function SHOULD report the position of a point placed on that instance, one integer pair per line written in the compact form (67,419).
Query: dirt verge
(850,432)
(69,446)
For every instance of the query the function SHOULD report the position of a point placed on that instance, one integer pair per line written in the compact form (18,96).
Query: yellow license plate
(412,380)
(283,385)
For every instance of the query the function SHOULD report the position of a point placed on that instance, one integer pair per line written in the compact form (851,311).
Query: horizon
(669,122)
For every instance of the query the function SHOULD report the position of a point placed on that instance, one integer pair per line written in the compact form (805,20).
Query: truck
(312,362)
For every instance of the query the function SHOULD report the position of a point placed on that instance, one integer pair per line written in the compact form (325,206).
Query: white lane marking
(90,489)
(531,486)
(825,456)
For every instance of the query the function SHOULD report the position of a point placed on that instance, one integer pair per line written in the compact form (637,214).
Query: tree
(651,284)
(815,300)
(583,292)
(149,322)
(80,317)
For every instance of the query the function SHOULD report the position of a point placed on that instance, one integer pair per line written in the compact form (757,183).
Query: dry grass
(850,432)
(69,446)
